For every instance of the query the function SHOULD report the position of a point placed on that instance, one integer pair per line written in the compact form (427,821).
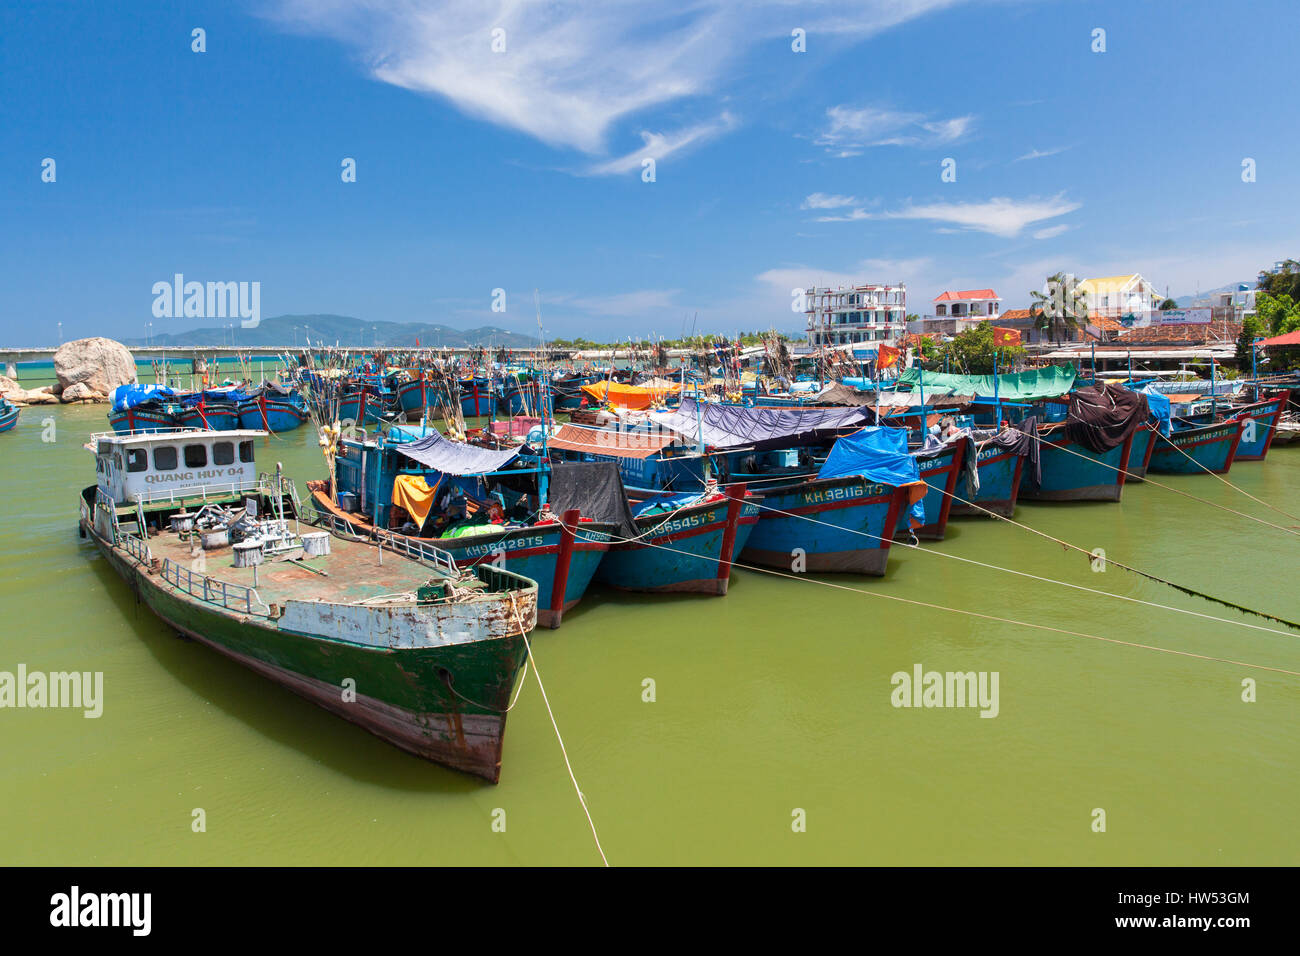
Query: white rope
(991,617)
(538,674)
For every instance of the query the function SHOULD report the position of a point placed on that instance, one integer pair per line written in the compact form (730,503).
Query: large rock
(18,395)
(81,392)
(98,363)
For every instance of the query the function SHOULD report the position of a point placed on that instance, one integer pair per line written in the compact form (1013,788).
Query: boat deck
(353,572)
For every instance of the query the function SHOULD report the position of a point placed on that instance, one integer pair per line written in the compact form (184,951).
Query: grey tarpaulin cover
(735,426)
(595,489)
(1020,439)
(1103,416)
(454,458)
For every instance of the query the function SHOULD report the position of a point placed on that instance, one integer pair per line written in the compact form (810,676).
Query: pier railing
(233,597)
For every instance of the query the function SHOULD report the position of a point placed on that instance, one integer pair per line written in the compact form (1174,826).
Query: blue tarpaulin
(129,396)
(1159,404)
(878,454)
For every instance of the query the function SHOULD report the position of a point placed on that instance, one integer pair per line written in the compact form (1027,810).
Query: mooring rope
(992,617)
(1068,545)
(1224,480)
(542,687)
(1159,484)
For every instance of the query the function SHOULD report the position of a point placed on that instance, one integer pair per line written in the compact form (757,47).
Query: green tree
(1284,280)
(1061,309)
(1279,313)
(973,352)
(1168,304)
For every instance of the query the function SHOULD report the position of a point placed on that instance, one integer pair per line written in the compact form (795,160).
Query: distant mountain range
(339,330)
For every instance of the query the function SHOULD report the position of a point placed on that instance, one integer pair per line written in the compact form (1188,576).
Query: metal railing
(202,492)
(221,593)
(400,544)
(134,546)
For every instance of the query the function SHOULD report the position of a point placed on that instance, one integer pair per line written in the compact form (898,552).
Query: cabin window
(245,451)
(117,460)
(223,453)
(136,459)
(196,456)
(164,458)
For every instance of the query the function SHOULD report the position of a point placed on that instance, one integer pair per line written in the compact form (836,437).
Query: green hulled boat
(385,633)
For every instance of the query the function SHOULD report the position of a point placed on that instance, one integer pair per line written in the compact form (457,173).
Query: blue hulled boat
(939,467)
(8,414)
(477,504)
(1262,419)
(274,409)
(143,408)
(1196,449)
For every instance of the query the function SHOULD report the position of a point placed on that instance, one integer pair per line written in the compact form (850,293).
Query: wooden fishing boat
(8,414)
(1139,456)
(417,395)
(208,415)
(1073,472)
(682,547)
(363,405)
(273,409)
(476,398)
(1260,431)
(837,524)
(147,417)
(1000,471)
(940,469)
(405,644)
(1196,449)
(561,552)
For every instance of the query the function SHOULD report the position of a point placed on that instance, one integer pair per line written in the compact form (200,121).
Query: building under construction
(861,314)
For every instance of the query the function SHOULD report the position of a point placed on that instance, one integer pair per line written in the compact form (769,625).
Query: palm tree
(1061,309)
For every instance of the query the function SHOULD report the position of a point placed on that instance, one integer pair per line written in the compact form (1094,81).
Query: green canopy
(1023,386)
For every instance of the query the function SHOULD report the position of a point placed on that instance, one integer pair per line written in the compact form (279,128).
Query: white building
(1114,297)
(859,314)
(969,303)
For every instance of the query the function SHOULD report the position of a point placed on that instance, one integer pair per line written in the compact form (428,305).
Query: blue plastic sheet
(129,396)
(877,454)
(1160,410)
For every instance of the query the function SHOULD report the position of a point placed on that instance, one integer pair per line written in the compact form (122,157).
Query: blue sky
(522,169)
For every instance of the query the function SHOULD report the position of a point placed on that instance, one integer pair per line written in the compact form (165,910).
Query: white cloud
(571,71)
(827,201)
(1000,216)
(1041,153)
(658,145)
(851,129)
(1051,231)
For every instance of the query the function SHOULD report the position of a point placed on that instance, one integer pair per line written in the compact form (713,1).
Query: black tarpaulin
(735,426)
(1103,416)
(594,488)
(454,458)
(1020,439)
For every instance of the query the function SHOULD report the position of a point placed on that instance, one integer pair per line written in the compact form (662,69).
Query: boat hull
(141,420)
(852,525)
(1257,439)
(691,551)
(1000,472)
(274,415)
(1194,451)
(940,470)
(476,399)
(8,418)
(221,418)
(1074,472)
(1139,456)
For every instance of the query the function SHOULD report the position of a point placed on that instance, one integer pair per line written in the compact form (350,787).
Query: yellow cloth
(629,396)
(413,493)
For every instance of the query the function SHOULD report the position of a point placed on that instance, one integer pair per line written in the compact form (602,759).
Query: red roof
(967,294)
(1290,338)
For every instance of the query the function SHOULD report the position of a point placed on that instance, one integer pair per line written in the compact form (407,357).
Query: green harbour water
(774,698)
